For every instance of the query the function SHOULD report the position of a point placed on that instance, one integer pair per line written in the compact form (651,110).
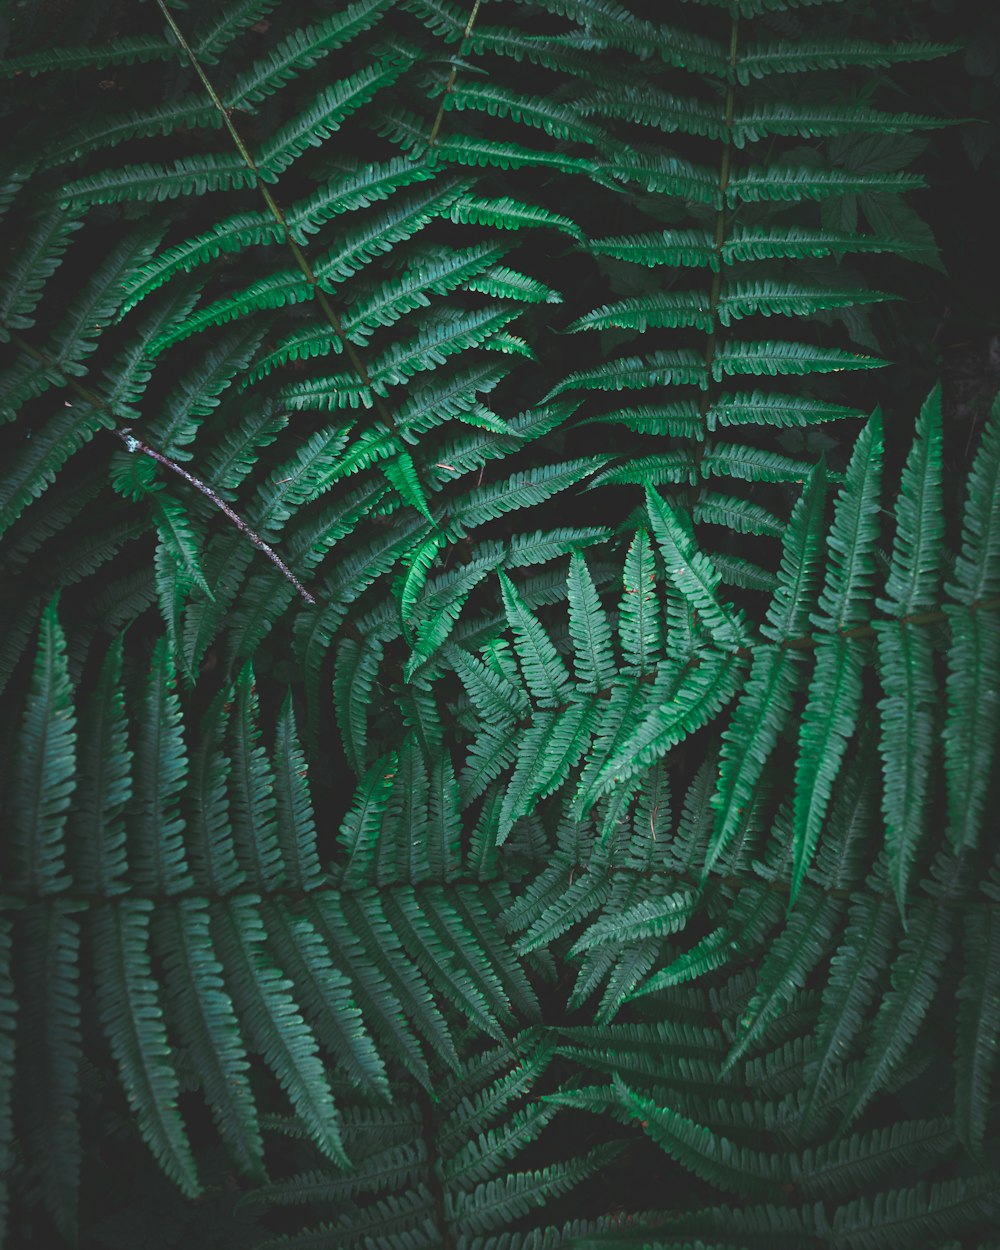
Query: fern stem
(725,172)
(136,444)
(301,259)
(432,139)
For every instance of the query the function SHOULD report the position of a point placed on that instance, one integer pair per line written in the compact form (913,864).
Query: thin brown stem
(450,84)
(301,259)
(134,444)
(137,445)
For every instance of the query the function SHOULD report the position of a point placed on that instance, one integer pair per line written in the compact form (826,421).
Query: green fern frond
(782,56)
(301,50)
(792,184)
(128,50)
(133,1022)
(46,766)
(189,175)
(323,116)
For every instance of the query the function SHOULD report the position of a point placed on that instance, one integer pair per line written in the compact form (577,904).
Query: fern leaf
(915,974)
(785,56)
(793,183)
(767,408)
(208,1026)
(127,50)
(158,861)
(51,1074)
(220,29)
(130,1011)
(906,670)
(788,613)
(715,1159)
(275,291)
(638,617)
(178,537)
(688,248)
(31,267)
(769,359)
(855,969)
(557,120)
(375,994)
(649,107)
(853,535)
(213,849)
(681,420)
(326,995)
(657,917)
(755,912)
(751,464)
(505,213)
(769,298)
(252,801)
(401,473)
(913,573)
(189,175)
(667,175)
(384,958)
(521,490)
(442,952)
(232,234)
(45,771)
(494,1205)
(683,704)
(971,720)
(415,576)
(589,629)
(273,1022)
(324,115)
(789,961)
(359,832)
(302,49)
(661,309)
(544,672)
(579,899)
(496,696)
(98,826)
(437,272)
(692,573)
(440,338)
(742,516)
(673,45)
(896,1217)
(977,569)
(109,132)
(749,243)
(764,119)
(978,1028)
(827,724)
(354,680)
(349,191)
(547,753)
(682,367)
(749,740)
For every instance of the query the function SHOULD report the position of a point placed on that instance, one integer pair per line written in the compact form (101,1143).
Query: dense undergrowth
(500,665)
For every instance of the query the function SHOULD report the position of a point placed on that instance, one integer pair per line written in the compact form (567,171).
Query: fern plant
(388,868)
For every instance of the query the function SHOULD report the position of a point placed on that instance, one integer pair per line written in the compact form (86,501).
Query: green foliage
(451,695)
